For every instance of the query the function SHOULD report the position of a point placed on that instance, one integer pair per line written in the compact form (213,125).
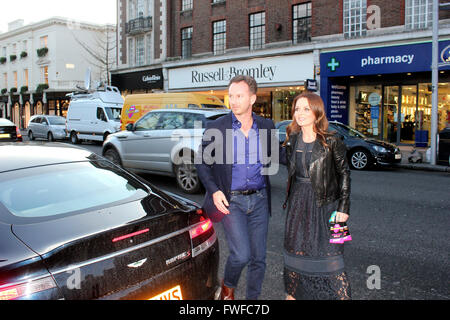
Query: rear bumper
(198,279)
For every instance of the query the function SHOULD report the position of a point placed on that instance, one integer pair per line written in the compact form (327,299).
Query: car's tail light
(18,134)
(202,237)
(10,292)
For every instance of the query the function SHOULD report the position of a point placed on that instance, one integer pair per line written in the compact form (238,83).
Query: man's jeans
(246,233)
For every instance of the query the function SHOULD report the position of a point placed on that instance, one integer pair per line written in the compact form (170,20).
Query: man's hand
(220,201)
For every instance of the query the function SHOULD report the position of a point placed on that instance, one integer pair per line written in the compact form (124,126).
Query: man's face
(241,99)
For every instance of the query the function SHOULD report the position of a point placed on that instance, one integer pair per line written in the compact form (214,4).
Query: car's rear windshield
(57,121)
(63,188)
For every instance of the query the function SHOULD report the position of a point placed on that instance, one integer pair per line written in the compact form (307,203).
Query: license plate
(5,135)
(398,156)
(171,294)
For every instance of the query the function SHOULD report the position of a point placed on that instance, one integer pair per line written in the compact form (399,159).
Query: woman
(318,185)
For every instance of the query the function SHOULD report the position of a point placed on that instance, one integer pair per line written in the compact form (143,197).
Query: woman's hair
(315,102)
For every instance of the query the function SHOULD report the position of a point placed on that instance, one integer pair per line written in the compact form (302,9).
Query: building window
(217,1)
(5,80)
(186,5)
(44,41)
(219,36)
(149,49)
(355,12)
(257,30)
(44,74)
(301,22)
(186,42)
(25,76)
(131,52)
(140,51)
(418,14)
(15,79)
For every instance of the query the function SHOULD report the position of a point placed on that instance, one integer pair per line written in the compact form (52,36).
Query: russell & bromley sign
(290,68)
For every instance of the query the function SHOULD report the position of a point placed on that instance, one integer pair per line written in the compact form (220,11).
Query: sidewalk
(406,151)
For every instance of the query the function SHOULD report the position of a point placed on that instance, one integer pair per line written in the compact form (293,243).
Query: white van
(93,116)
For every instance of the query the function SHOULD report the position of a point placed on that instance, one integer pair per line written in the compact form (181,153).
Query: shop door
(408,114)
(390,114)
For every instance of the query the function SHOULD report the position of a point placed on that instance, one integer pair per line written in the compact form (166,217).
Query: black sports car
(362,152)
(75,226)
(9,131)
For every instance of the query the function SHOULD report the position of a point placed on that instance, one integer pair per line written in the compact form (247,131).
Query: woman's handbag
(339,232)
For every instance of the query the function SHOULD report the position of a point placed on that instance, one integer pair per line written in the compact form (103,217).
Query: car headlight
(380,149)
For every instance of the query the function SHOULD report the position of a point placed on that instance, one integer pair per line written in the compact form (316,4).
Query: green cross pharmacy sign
(333,64)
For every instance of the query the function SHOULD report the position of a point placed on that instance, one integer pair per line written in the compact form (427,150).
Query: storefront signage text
(151,79)
(289,69)
(387,60)
(221,74)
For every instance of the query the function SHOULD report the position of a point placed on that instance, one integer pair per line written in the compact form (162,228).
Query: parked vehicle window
(191,118)
(113,113)
(57,121)
(101,114)
(44,122)
(85,184)
(171,121)
(352,132)
(37,120)
(148,122)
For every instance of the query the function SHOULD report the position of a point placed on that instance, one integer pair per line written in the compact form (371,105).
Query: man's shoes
(226,293)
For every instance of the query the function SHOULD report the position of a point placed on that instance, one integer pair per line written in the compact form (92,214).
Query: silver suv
(160,141)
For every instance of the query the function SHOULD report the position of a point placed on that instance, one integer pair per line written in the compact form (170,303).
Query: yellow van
(136,105)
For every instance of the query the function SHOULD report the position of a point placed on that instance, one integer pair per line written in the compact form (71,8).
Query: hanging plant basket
(42,52)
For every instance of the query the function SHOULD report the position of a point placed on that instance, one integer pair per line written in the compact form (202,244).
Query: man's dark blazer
(216,176)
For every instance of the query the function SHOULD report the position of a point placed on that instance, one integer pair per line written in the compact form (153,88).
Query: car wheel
(113,156)
(50,137)
(74,138)
(187,178)
(31,135)
(360,159)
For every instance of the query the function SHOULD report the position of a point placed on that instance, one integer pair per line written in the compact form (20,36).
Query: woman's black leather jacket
(328,170)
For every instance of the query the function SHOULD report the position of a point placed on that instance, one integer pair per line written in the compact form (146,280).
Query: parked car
(363,152)
(75,226)
(9,131)
(48,127)
(444,147)
(158,142)
(93,116)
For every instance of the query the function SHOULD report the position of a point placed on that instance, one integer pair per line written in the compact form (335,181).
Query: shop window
(301,22)
(365,110)
(355,12)
(257,30)
(418,14)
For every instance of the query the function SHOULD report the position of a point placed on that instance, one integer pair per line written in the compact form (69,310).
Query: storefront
(146,81)
(385,92)
(279,78)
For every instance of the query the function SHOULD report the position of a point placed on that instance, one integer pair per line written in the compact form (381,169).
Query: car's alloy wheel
(187,178)
(359,160)
(113,156)
(31,135)
(50,137)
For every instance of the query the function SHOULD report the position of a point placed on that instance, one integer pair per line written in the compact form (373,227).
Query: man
(234,155)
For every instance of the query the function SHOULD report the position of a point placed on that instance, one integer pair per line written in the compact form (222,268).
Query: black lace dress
(313,267)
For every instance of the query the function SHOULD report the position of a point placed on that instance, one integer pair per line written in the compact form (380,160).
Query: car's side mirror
(130,127)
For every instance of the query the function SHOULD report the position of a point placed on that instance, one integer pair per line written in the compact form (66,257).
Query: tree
(101,53)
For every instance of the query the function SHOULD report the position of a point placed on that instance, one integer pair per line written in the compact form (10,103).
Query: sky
(93,11)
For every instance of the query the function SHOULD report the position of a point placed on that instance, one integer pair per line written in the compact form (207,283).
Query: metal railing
(139,25)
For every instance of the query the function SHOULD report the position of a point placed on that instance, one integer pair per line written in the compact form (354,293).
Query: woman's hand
(341,217)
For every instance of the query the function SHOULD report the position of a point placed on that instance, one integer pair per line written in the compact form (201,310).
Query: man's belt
(243,192)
